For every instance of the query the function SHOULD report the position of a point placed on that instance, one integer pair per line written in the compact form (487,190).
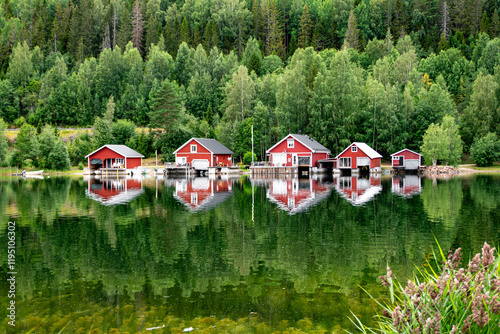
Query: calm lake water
(227,255)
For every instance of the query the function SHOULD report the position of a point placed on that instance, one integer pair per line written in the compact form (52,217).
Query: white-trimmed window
(354,149)
(345,162)
(193,149)
(119,161)
(290,143)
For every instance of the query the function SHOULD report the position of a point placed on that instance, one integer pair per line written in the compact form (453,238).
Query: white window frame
(354,149)
(194,148)
(342,163)
(119,161)
(290,143)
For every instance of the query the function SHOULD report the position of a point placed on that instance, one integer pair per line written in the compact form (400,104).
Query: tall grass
(448,299)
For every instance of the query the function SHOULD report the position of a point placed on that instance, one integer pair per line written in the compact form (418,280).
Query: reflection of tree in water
(220,262)
(443,200)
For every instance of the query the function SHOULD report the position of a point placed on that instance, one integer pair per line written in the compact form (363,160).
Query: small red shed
(297,151)
(406,159)
(114,156)
(359,156)
(201,153)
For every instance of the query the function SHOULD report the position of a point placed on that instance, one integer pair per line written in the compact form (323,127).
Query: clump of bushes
(447,300)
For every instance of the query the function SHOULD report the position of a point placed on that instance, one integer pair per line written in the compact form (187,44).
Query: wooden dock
(178,171)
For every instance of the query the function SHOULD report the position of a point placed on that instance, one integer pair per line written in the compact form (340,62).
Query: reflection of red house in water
(202,193)
(406,186)
(359,190)
(296,195)
(113,191)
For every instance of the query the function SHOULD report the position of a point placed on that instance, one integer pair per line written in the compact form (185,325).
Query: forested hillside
(371,70)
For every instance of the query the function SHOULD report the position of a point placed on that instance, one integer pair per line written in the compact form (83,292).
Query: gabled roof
(370,152)
(406,149)
(210,144)
(305,140)
(123,150)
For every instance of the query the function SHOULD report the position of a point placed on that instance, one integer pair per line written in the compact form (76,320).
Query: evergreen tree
(185,34)
(274,38)
(351,40)
(165,107)
(306,27)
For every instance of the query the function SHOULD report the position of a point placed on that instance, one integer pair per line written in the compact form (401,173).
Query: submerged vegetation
(444,298)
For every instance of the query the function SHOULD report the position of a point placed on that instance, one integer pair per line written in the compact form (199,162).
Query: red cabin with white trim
(359,156)
(297,151)
(114,156)
(201,153)
(406,159)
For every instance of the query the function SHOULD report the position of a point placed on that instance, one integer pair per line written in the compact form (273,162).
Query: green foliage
(4,146)
(442,142)
(247,158)
(486,150)
(123,131)
(79,148)
(26,145)
(434,144)
(102,133)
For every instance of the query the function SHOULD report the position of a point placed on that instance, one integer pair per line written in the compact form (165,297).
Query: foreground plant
(448,300)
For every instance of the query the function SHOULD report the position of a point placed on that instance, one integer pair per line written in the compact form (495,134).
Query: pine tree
(274,45)
(207,35)
(351,40)
(125,29)
(137,27)
(152,35)
(306,26)
(185,35)
(214,38)
(485,23)
(196,36)
(257,19)
(165,107)
(495,25)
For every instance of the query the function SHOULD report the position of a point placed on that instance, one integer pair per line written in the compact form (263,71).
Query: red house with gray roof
(297,150)
(406,159)
(359,157)
(114,156)
(201,153)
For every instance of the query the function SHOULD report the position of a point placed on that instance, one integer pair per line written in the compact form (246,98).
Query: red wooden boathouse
(114,156)
(406,159)
(359,157)
(297,151)
(201,153)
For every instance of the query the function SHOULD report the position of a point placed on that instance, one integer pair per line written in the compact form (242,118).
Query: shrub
(81,166)
(447,300)
(247,158)
(486,150)
(19,122)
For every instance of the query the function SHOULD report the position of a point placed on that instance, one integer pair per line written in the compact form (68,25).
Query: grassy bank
(444,297)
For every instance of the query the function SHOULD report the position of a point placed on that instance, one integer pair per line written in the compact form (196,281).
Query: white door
(279,159)
(200,164)
(363,162)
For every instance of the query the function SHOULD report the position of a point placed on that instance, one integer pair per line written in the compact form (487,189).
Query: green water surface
(226,255)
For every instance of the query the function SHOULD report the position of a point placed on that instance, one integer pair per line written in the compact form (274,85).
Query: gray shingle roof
(311,143)
(122,150)
(213,146)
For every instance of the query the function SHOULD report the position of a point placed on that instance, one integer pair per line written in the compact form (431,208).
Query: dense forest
(339,70)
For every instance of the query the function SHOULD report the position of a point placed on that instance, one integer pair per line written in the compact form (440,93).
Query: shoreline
(461,171)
